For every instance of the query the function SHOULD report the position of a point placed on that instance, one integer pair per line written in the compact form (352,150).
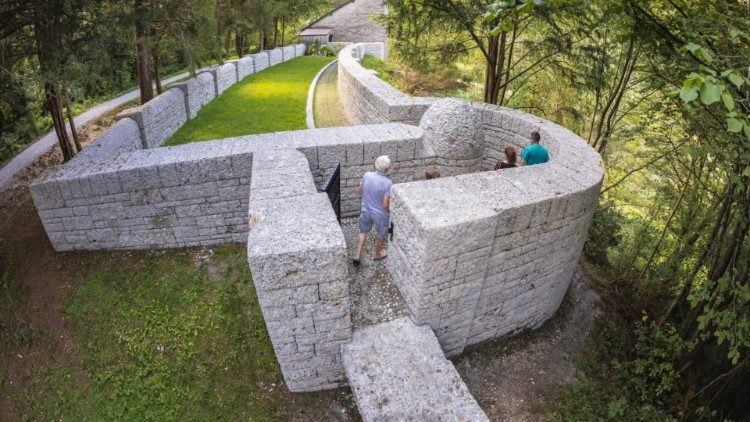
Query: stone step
(398,371)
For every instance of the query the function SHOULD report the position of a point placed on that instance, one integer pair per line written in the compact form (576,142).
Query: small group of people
(531,155)
(375,189)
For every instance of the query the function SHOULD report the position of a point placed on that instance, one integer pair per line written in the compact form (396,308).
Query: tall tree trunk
(157,69)
(142,51)
(508,64)
(239,43)
(71,120)
(52,98)
(275,32)
(495,63)
(283,31)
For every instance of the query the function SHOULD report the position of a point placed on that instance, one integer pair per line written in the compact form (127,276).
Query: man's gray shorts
(366,220)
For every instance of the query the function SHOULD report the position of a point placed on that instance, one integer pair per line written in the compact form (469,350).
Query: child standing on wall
(375,190)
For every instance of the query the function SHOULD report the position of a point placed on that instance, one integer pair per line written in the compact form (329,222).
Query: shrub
(605,232)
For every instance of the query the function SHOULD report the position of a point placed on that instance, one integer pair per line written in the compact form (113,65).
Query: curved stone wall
(482,254)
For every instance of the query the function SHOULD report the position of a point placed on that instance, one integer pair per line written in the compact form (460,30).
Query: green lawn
(269,101)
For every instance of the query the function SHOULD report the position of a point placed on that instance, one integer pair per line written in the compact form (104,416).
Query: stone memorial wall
(159,118)
(245,68)
(481,254)
(198,92)
(260,61)
(275,56)
(366,98)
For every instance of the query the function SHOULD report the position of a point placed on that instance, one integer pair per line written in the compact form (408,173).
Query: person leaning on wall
(510,159)
(534,153)
(375,189)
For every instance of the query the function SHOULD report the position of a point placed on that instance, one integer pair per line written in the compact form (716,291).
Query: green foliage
(269,101)
(605,233)
(502,14)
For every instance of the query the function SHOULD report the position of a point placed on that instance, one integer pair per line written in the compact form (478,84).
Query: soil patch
(512,378)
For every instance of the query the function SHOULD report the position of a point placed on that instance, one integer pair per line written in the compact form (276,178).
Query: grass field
(269,101)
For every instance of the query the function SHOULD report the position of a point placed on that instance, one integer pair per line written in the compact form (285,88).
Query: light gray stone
(397,371)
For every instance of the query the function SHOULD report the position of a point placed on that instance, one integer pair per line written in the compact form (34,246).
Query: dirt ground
(512,378)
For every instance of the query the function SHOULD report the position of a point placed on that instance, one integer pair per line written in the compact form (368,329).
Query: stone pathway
(327,107)
(373,296)
(398,371)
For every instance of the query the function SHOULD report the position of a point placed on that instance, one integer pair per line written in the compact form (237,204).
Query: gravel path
(48,141)
(374,297)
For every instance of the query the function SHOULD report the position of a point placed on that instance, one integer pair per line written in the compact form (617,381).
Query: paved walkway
(48,141)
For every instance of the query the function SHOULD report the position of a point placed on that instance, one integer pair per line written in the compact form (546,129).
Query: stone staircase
(398,371)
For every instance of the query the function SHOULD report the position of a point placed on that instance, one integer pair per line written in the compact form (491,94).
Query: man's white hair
(383,163)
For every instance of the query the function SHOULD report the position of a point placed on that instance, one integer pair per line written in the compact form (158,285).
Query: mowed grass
(269,101)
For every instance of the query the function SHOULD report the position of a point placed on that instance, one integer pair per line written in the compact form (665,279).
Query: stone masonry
(398,373)
(275,56)
(288,53)
(366,98)
(297,254)
(198,92)
(159,118)
(476,255)
(260,61)
(245,67)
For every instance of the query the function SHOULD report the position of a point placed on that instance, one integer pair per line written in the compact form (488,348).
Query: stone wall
(353,22)
(123,137)
(260,61)
(197,194)
(159,118)
(288,52)
(245,67)
(275,56)
(482,255)
(366,99)
(198,92)
(299,50)
(226,76)
(148,199)
(297,255)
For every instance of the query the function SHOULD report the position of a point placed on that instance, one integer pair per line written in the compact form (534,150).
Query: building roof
(328,14)
(315,32)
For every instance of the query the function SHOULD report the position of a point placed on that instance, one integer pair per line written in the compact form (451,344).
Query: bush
(605,232)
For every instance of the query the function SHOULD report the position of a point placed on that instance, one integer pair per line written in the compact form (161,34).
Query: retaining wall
(260,61)
(288,53)
(159,118)
(275,56)
(367,99)
(198,92)
(299,50)
(245,68)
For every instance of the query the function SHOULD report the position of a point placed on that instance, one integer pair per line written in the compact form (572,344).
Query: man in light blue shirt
(534,153)
(375,189)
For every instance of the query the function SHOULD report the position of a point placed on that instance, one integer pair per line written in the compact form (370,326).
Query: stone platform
(398,371)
